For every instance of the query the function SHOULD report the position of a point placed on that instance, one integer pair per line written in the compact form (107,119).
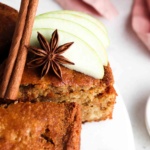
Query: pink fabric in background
(92,7)
(141,20)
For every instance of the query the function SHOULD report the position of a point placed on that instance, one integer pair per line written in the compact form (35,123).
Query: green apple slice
(86,23)
(85,58)
(75,29)
(81,14)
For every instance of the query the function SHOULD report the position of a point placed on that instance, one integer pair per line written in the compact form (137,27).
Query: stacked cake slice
(96,97)
(40,126)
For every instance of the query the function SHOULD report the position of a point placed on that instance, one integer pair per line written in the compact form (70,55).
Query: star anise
(49,55)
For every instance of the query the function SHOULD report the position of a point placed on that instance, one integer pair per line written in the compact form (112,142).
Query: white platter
(115,134)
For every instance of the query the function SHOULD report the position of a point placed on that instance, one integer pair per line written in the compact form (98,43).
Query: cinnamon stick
(14,47)
(18,52)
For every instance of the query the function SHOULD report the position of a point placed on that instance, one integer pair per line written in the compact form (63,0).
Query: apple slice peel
(81,14)
(86,23)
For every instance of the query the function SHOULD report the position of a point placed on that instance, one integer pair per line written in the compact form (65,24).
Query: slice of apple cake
(96,96)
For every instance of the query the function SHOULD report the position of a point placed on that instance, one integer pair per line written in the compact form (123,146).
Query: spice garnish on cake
(49,57)
(18,52)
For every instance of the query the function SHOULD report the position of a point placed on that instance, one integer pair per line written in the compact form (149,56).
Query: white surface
(132,76)
(131,65)
(115,134)
(147,117)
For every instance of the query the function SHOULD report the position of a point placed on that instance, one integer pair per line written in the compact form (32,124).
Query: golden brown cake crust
(40,126)
(70,78)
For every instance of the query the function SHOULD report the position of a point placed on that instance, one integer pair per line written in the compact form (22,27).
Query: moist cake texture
(96,97)
(40,126)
